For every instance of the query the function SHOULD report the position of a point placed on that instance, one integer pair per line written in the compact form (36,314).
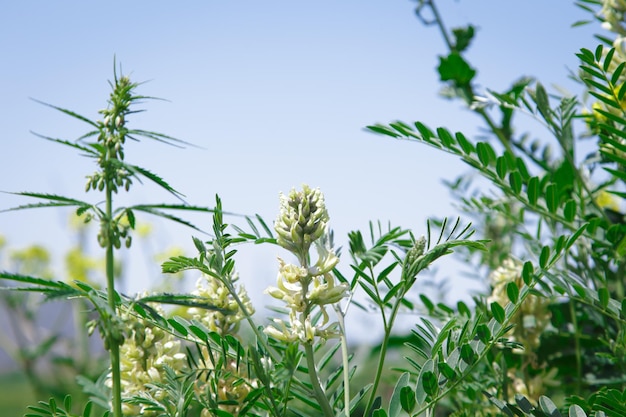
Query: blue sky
(275,93)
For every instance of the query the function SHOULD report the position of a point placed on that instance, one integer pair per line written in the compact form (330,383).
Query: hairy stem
(114,348)
(320,395)
(344,358)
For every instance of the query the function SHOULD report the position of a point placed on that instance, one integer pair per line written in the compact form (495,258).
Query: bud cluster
(115,232)
(121,177)
(301,221)
(412,257)
(112,136)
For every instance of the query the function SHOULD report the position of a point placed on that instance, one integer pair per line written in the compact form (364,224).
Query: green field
(15,394)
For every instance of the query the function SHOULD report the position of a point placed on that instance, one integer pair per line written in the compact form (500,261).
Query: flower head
(302,220)
(226,318)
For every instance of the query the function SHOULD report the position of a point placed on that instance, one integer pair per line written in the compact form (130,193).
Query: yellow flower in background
(613,13)
(80,266)
(607,200)
(32,260)
(229,385)
(79,223)
(143,230)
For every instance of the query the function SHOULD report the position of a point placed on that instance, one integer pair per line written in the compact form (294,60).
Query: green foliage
(52,409)
(576,242)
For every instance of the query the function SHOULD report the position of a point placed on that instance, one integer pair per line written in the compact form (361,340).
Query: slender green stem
(114,348)
(320,395)
(578,353)
(383,353)
(506,142)
(444,32)
(251,323)
(619,281)
(379,371)
(344,358)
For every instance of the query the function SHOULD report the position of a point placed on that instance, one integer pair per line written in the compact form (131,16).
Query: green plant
(552,211)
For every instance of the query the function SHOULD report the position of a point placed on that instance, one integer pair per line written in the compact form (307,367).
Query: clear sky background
(276,94)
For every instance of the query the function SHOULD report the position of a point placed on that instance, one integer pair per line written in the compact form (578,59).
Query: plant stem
(114,348)
(379,371)
(439,21)
(383,352)
(578,353)
(315,381)
(344,358)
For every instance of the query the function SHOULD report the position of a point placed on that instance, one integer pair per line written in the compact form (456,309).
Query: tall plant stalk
(114,347)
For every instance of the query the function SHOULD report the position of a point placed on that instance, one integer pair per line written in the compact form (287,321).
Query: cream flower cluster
(534,387)
(303,220)
(217,294)
(613,13)
(533,316)
(146,351)
(302,289)
(228,384)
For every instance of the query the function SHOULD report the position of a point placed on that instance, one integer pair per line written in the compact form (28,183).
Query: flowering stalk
(302,222)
